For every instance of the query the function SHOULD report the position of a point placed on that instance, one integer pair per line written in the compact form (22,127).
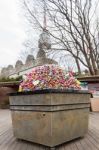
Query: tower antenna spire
(45,22)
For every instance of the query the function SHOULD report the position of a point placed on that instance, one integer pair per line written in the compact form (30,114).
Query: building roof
(10,84)
(89,78)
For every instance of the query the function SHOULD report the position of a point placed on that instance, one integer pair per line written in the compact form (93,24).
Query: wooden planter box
(50,117)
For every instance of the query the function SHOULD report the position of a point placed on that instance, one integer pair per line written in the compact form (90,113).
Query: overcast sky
(12,33)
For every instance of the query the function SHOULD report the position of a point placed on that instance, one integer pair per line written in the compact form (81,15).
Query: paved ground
(8,142)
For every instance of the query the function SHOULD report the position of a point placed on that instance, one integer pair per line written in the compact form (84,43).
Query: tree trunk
(90,67)
(78,66)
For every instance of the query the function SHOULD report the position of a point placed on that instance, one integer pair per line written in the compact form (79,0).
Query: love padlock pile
(48,77)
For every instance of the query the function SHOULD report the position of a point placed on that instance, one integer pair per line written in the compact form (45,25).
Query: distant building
(21,69)
(92,83)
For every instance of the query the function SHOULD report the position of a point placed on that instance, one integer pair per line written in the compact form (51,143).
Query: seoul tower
(44,44)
